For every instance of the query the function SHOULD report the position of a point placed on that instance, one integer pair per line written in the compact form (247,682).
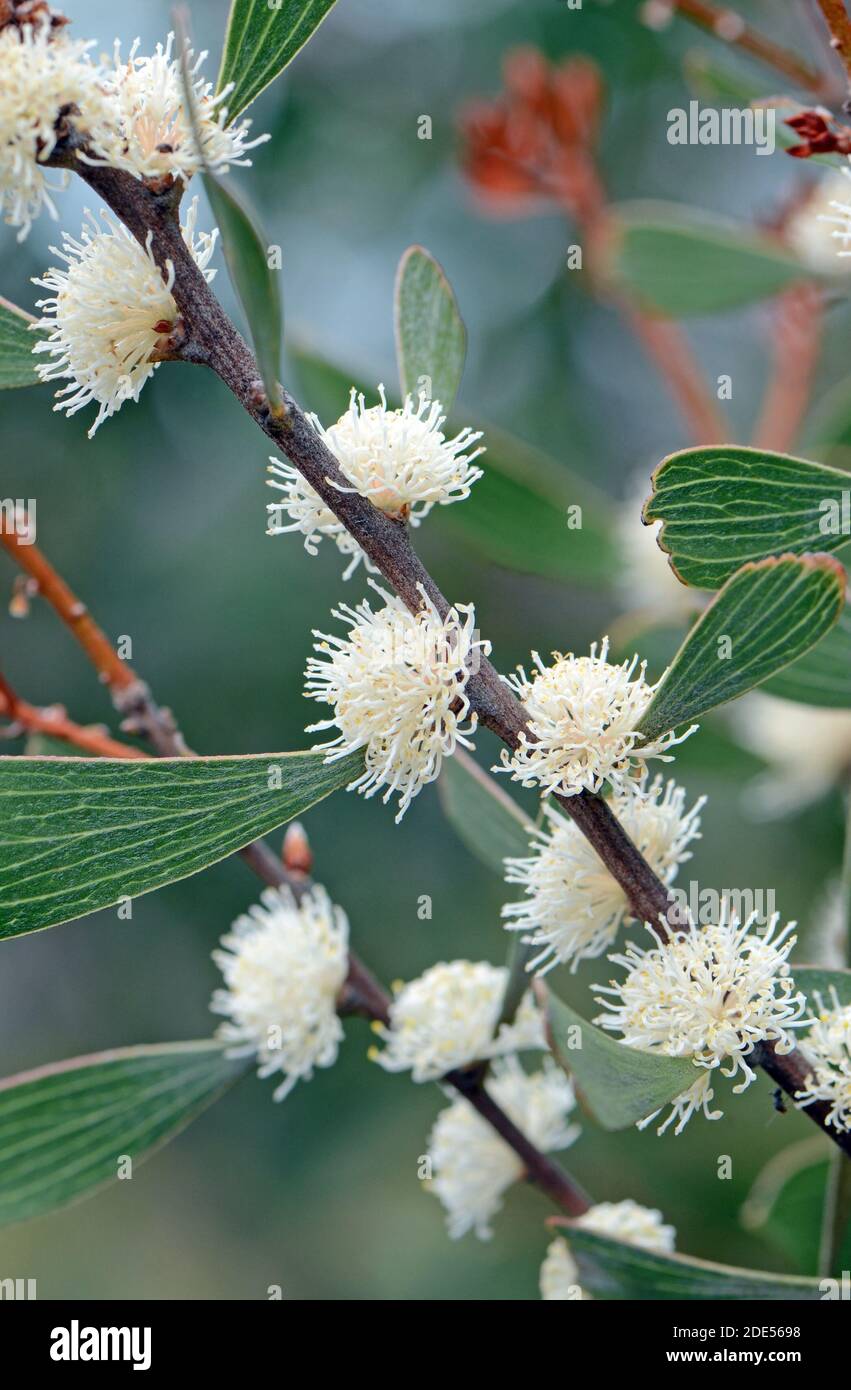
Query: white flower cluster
(399,459)
(149,131)
(711,995)
(625,1221)
(45,78)
(583,715)
(573,907)
(284,964)
(448,1018)
(827,1046)
(132,115)
(108,312)
(397,684)
(472,1166)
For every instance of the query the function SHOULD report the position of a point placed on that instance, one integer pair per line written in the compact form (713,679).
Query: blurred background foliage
(159,524)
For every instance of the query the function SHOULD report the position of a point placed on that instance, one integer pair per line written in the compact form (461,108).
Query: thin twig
(728,26)
(839,26)
(796,341)
(213,341)
(666,344)
(54,723)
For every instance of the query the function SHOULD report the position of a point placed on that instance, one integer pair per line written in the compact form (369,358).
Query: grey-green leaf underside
(765,617)
(612,1269)
(65,1127)
(620,1085)
(79,834)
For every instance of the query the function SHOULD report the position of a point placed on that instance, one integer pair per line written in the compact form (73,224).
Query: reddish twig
(839,26)
(54,723)
(728,26)
(796,342)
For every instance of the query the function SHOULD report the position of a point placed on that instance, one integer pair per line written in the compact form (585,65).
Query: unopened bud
(296,852)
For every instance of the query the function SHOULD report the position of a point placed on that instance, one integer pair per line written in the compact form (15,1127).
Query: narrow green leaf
(619,1084)
(532,514)
(491,825)
(246,251)
(431,340)
(823,676)
(681,261)
(261,39)
(612,1269)
(64,1127)
(723,506)
(765,617)
(81,833)
(17,363)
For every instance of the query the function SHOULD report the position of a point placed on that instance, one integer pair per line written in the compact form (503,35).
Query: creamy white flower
(148,130)
(447,1018)
(109,312)
(43,76)
(284,964)
(573,907)
(583,713)
(711,995)
(622,1221)
(819,237)
(807,747)
(472,1167)
(827,1047)
(397,684)
(400,459)
(645,579)
(309,515)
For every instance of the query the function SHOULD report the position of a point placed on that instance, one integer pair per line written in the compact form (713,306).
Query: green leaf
(619,1084)
(531,514)
(81,833)
(613,1269)
(765,617)
(431,340)
(491,825)
(817,979)
(261,39)
(245,249)
(786,1202)
(723,506)
(681,261)
(521,514)
(64,1127)
(17,363)
(823,676)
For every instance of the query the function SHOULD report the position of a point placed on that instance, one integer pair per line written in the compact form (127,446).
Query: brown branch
(796,341)
(361,993)
(54,723)
(839,26)
(214,341)
(730,28)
